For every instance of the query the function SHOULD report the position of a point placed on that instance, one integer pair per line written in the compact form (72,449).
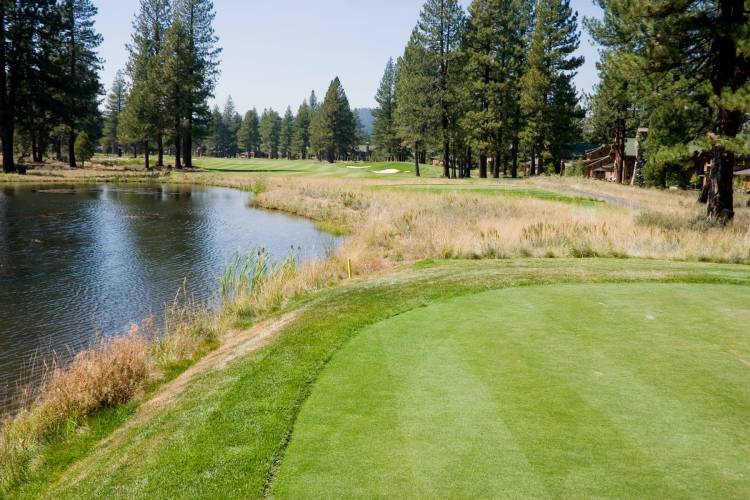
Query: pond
(77,262)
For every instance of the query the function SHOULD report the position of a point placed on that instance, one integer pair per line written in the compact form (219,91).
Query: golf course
(505,370)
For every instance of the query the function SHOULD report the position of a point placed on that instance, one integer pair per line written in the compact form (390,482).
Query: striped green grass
(494,388)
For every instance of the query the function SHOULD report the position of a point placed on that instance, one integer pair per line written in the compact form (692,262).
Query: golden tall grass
(112,372)
(393,226)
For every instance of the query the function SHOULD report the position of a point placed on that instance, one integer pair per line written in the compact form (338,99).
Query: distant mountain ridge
(366,118)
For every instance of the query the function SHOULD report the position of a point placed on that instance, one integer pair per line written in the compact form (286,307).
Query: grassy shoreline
(236,423)
(394,228)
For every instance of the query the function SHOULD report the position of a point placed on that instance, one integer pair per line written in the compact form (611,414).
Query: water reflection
(75,261)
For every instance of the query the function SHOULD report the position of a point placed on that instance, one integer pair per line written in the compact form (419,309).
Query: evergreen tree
(113,109)
(438,32)
(270,133)
(84,147)
(287,134)
(494,52)
(333,129)
(30,35)
(82,88)
(384,136)
(694,55)
(145,67)
(554,40)
(417,117)
(314,105)
(173,66)
(201,66)
(301,141)
(248,136)
(231,121)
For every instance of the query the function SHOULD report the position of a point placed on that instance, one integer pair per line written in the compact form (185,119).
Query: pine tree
(113,109)
(333,129)
(84,147)
(384,138)
(494,55)
(270,133)
(145,67)
(554,40)
(29,32)
(439,32)
(79,43)
(417,117)
(248,136)
(314,105)
(232,122)
(301,141)
(201,66)
(287,134)
(704,44)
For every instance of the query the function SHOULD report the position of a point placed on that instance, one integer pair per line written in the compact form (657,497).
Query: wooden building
(600,161)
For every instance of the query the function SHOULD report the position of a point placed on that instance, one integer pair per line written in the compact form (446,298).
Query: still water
(77,262)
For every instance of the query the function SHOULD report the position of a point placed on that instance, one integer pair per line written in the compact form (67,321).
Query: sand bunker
(352,166)
(387,171)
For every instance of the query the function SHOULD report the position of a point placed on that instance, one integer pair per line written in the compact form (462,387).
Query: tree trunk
(482,166)
(496,166)
(619,150)
(72,76)
(145,156)
(177,151)
(72,148)
(720,190)
(188,153)
(7,106)
(416,159)
(468,162)
(58,148)
(532,166)
(726,72)
(514,166)
(160,150)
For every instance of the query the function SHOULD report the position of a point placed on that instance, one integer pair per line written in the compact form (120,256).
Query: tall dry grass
(112,372)
(389,226)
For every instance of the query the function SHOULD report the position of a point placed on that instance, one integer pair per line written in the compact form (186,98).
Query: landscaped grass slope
(226,434)
(582,390)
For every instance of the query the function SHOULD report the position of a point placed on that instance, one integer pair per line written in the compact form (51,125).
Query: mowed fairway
(314,168)
(575,390)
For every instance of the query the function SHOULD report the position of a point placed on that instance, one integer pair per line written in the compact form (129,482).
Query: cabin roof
(743,173)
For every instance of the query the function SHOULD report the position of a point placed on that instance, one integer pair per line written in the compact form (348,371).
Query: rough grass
(111,373)
(391,226)
(226,434)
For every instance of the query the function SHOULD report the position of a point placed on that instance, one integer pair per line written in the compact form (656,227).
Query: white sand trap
(387,171)
(356,168)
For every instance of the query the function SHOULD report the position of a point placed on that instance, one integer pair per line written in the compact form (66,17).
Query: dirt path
(610,199)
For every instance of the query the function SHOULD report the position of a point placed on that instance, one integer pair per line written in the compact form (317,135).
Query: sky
(276,51)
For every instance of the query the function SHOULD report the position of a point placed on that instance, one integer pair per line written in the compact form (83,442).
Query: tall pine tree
(550,64)
(384,138)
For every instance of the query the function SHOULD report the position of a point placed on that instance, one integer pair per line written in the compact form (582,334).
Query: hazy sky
(277,51)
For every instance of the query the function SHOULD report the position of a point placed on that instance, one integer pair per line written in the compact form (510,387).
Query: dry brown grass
(390,227)
(112,372)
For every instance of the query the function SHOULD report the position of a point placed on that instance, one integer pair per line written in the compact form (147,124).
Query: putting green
(621,390)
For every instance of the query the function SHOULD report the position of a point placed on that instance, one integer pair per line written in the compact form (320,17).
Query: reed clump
(112,372)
